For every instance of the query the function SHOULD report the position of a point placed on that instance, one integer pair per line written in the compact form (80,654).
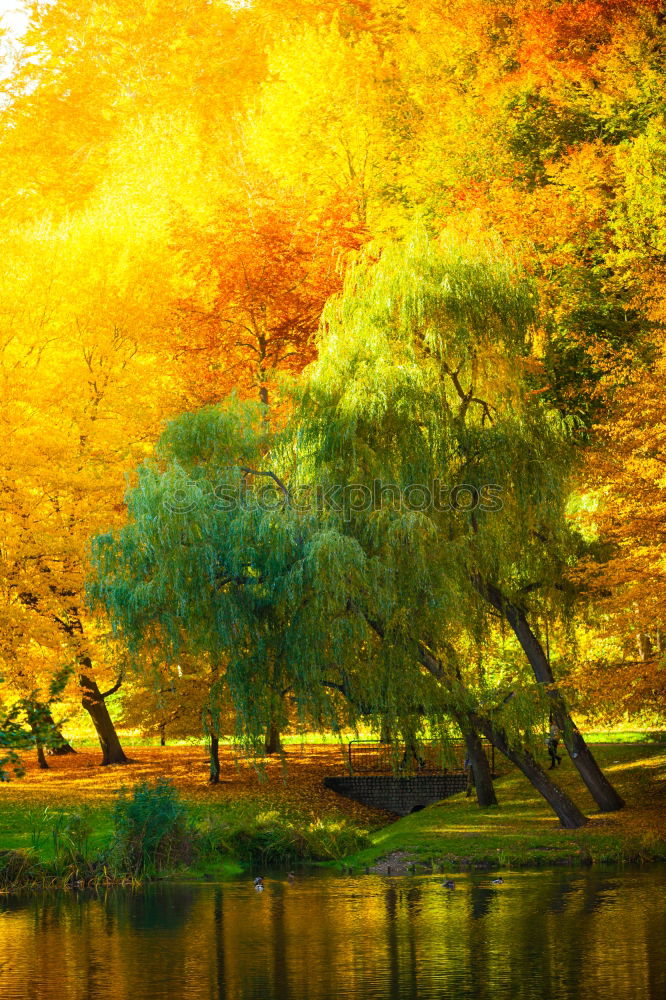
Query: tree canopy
(466,201)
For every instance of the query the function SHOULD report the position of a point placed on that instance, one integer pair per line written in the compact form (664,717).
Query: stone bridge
(399,795)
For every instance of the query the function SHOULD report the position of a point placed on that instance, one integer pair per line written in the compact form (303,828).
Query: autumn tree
(335,119)
(71,374)
(415,379)
(257,274)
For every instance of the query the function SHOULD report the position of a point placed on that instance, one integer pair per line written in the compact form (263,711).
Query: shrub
(18,868)
(273,837)
(70,841)
(330,840)
(153,830)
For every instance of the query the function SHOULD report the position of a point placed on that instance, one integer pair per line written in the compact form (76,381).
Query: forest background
(184,186)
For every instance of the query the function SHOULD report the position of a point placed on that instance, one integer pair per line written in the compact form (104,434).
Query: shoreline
(288,822)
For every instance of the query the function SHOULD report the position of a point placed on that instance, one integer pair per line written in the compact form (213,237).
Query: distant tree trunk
(94,704)
(385,735)
(41,759)
(644,644)
(163,735)
(483,779)
(214,776)
(272,743)
(603,793)
(212,730)
(36,715)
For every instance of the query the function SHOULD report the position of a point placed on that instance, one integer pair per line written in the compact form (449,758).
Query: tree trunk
(41,759)
(36,714)
(565,809)
(600,788)
(483,779)
(163,735)
(214,776)
(95,706)
(272,742)
(59,747)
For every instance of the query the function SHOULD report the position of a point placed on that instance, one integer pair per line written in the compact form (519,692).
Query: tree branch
(259,472)
(112,690)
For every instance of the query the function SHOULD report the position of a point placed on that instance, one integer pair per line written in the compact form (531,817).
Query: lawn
(77,782)
(456,833)
(451,834)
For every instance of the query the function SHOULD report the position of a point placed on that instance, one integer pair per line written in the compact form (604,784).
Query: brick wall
(398,795)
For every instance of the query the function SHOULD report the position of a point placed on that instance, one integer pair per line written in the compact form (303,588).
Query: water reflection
(542,935)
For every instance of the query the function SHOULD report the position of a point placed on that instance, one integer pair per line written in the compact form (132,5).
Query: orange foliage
(298,786)
(260,270)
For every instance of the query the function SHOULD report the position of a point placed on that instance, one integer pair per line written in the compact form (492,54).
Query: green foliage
(276,837)
(153,830)
(13,739)
(419,381)
(537,131)
(25,722)
(17,867)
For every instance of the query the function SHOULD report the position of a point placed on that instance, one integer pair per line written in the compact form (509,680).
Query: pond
(542,934)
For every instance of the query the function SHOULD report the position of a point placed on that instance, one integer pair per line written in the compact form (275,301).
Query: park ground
(450,835)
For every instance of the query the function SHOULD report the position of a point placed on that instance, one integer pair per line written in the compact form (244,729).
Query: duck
(449,884)
(498,881)
(259,883)
(291,877)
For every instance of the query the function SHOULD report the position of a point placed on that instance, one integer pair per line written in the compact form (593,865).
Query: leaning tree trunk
(600,788)
(483,779)
(566,810)
(94,704)
(58,746)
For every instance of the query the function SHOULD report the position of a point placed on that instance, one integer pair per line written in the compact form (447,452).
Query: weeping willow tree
(354,559)
(422,379)
(216,565)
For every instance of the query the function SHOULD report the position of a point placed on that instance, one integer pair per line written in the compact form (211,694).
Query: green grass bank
(195,832)
(456,833)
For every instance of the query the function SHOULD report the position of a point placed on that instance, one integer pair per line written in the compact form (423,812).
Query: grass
(627,736)
(282,814)
(88,741)
(455,833)
(85,738)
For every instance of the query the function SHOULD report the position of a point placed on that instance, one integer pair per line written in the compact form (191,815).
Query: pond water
(545,934)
